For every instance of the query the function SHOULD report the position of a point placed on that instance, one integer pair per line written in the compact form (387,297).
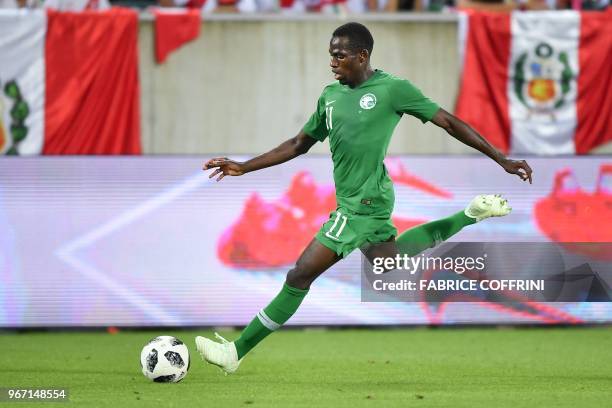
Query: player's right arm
(314,130)
(287,150)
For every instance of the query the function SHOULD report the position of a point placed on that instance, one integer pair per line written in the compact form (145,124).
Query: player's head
(358,37)
(350,49)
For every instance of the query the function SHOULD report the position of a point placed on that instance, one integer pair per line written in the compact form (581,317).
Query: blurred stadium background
(107,114)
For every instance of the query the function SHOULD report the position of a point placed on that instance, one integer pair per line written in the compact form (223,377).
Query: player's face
(346,64)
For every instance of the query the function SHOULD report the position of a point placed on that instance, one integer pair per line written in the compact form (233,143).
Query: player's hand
(224,167)
(518,167)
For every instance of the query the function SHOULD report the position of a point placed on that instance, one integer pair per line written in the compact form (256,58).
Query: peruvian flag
(538,82)
(69,82)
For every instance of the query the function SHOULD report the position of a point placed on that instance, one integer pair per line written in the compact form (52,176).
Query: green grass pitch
(485,367)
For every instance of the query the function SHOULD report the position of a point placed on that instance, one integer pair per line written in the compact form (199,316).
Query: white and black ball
(165,359)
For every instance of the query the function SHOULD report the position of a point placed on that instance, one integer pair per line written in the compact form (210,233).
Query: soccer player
(358,114)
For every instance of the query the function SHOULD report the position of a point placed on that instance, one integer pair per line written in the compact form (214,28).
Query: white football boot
(487,205)
(223,355)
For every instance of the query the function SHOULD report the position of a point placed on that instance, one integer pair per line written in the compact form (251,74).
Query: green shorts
(346,231)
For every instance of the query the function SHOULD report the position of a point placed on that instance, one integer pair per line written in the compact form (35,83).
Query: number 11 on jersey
(328,117)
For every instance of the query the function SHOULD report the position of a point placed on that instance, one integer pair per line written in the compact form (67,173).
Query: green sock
(273,316)
(415,240)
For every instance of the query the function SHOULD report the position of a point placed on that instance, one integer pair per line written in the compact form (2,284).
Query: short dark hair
(358,35)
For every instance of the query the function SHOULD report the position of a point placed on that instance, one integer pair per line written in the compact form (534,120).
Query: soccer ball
(165,359)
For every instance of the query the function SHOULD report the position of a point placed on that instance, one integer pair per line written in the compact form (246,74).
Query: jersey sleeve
(409,99)
(316,126)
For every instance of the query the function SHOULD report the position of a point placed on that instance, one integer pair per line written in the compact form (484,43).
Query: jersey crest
(367,101)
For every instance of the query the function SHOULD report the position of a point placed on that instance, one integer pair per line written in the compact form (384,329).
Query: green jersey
(359,123)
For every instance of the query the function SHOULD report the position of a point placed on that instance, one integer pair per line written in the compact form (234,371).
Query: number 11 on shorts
(330,233)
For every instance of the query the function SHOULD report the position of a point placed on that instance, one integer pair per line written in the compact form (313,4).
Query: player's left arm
(466,135)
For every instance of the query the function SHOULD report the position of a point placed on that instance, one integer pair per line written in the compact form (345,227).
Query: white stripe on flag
(462,33)
(22,60)
(266,321)
(542,98)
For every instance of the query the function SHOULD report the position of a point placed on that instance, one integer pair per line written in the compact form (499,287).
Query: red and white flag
(538,82)
(69,82)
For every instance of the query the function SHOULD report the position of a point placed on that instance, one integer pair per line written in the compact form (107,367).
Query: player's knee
(297,278)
